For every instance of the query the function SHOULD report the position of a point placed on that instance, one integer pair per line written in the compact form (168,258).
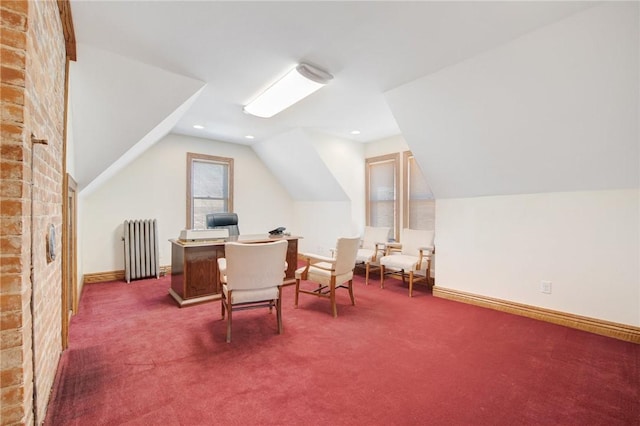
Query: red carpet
(135,358)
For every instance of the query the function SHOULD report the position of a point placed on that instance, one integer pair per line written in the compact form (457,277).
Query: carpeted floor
(135,358)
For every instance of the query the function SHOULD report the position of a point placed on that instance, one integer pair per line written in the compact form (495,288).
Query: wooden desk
(194,266)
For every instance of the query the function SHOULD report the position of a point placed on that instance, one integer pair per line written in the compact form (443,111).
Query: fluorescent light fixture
(198,126)
(355,132)
(297,84)
(250,137)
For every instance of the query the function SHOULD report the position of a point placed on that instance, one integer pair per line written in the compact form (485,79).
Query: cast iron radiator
(140,249)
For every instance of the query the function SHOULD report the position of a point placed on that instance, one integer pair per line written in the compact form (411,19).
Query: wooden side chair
(253,279)
(410,258)
(330,273)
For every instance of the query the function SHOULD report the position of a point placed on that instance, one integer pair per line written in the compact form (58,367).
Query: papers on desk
(202,235)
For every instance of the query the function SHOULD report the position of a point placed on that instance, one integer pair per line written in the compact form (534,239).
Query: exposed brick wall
(32,92)
(14,238)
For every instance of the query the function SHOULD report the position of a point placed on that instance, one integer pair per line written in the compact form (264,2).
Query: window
(209,187)
(419,206)
(382,191)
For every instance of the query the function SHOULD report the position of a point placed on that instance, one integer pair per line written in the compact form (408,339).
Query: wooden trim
(69,254)
(619,331)
(64,7)
(101,277)
(410,163)
(193,301)
(69,236)
(395,158)
(74,253)
(405,188)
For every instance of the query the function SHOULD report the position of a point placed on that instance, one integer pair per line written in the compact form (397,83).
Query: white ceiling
(239,48)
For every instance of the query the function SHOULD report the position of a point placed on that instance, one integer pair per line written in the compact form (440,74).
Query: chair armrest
(312,259)
(389,247)
(315,258)
(380,248)
(425,253)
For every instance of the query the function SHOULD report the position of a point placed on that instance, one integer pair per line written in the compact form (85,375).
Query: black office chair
(225,221)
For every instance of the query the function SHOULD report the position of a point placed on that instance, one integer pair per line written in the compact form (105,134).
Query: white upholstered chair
(409,258)
(222,269)
(330,273)
(372,248)
(254,278)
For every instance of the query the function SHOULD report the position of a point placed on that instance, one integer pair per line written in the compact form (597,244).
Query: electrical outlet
(545,287)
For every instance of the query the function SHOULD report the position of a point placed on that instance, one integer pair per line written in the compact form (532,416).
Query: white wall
(585,243)
(324,175)
(322,222)
(154,186)
(294,161)
(385,146)
(345,160)
(532,151)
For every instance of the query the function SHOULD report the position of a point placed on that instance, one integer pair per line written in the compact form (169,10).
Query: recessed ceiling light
(250,137)
(198,126)
(355,132)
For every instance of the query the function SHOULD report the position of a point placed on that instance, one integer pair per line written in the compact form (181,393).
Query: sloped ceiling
(241,47)
(555,110)
(118,103)
(294,160)
(552,110)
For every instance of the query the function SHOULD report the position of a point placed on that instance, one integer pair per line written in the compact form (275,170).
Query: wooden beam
(67,28)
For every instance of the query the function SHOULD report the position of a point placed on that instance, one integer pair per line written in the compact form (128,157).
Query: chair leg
(381,276)
(410,283)
(222,302)
(230,309)
(353,301)
(297,290)
(279,314)
(366,274)
(332,294)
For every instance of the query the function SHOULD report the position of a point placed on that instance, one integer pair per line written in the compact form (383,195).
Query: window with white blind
(419,205)
(209,187)
(382,191)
